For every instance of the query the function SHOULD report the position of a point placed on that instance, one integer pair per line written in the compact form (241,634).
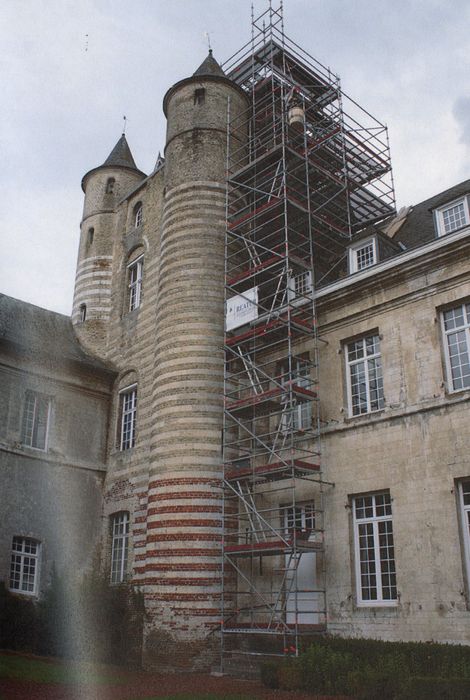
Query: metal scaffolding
(302,177)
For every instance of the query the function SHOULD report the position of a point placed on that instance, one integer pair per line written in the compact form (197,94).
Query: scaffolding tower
(302,177)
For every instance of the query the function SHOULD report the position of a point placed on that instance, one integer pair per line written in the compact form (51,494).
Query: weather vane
(207,35)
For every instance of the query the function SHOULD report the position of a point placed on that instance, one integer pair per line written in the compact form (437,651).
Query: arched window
(91,235)
(135,269)
(110,185)
(138,214)
(127,418)
(82,311)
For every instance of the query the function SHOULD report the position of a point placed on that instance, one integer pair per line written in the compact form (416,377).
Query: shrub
(91,620)
(290,675)
(325,670)
(371,669)
(269,674)
(420,688)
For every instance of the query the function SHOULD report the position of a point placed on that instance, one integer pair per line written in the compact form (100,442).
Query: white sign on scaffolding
(241,309)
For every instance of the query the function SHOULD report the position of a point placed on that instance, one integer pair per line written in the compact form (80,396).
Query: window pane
(375,551)
(375,384)
(35,420)
(459,359)
(367,560)
(356,350)
(120,547)
(365,256)
(454,217)
(24,565)
(128,402)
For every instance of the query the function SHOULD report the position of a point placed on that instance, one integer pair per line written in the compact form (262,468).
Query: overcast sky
(70,70)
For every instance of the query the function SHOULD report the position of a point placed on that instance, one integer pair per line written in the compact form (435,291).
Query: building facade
(304,466)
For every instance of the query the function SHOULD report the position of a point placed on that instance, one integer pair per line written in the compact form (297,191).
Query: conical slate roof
(121,155)
(209,66)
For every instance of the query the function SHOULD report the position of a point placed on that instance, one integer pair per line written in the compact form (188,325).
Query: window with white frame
(128,415)
(134,275)
(138,214)
(374,550)
(302,415)
(456,329)
(299,415)
(364,375)
(119,546)
(24,566)
(300,285)
(464,498)
(362,255)
(300,518)
(452,216)
(34,431)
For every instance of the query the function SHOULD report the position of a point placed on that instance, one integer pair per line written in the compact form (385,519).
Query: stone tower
(184,523)
(104,187)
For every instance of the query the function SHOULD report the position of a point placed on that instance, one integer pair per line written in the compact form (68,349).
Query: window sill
(23,594)
(33,449)
(382,605)
(450,393)
(364,416)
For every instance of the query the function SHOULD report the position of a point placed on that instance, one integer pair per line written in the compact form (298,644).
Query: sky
(70,71)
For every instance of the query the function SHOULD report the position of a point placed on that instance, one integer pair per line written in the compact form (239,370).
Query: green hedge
(91,620)
(370,669)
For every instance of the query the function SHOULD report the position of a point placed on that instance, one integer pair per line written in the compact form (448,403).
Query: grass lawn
(39,671)
(114,681)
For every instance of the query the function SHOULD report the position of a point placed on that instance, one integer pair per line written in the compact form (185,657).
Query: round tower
(184,526)
(104,187)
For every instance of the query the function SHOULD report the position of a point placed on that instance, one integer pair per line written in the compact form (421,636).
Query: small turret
(196,110)
(104,187)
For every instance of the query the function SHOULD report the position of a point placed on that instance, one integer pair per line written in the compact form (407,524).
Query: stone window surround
(362,254)
(452,217)
(127,417)
(463,490)
(119,546)
(376,524)
(134,283)
(373,377)
(24,565)
(138,213)
(462,329)
(36,421)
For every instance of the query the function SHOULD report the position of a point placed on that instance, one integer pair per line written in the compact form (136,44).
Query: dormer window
(362,255)
(452,216)
(138,214)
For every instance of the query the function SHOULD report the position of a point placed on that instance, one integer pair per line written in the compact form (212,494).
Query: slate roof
(418,227)
(209,67)
(44,333)
(121,155)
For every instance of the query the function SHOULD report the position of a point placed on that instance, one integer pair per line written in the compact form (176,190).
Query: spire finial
(208,37)
(124,125)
